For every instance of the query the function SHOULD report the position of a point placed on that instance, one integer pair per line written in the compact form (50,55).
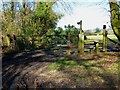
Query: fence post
(68,45)
(96,47)
(81,39)
(104,39)
(14,41)
(8,40)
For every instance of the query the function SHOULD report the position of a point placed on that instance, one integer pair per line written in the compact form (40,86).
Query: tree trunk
(12,10)
(115,17)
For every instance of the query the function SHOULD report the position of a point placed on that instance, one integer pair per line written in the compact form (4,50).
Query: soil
(30,70)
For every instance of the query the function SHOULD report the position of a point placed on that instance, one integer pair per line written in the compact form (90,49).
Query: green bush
(22,44)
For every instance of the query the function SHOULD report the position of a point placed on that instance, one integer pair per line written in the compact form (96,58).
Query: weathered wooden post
(81,39)
(96,47)
(14,42)
(8,40)
(104,39)
(68,45)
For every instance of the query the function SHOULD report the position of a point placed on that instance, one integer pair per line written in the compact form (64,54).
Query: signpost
(104,39)
(81,39)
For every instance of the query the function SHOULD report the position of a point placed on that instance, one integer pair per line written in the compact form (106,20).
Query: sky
(93,15)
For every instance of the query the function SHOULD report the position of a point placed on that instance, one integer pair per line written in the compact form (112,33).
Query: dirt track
(30,70)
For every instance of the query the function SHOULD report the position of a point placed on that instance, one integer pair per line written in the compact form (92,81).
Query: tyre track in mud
(15,66)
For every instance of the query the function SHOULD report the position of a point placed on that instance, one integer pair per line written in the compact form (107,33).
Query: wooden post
(81,40)
(13,44)
(104,39)
(68,45)
(8,40)
(96,47)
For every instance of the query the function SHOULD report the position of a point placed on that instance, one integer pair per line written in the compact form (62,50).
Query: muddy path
(30,70)
(22,69)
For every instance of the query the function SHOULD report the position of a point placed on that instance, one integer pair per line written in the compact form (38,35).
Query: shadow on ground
(32,70)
